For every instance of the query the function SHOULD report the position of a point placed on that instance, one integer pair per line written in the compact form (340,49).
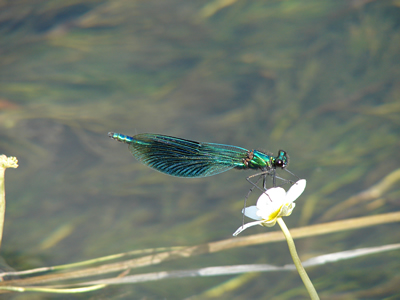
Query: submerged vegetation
(318,79)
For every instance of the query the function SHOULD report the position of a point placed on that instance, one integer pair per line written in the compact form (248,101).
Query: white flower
(273,204)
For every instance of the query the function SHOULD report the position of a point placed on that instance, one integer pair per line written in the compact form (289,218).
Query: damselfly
(185,158)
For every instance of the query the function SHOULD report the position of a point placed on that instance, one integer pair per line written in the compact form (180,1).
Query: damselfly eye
(279,163)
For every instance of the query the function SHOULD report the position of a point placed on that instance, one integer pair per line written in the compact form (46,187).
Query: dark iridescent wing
(185,158)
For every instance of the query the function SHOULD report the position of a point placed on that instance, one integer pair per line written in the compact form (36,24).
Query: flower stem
(2,202)
(292,248)
(5,162)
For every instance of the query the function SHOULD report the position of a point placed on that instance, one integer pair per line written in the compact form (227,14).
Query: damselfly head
(282,160)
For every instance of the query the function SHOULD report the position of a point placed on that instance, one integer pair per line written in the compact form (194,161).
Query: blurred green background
(319,79)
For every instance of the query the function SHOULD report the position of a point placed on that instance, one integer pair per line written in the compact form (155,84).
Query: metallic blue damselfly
(185,158)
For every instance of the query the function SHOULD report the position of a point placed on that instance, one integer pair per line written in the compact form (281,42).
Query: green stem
(292,248)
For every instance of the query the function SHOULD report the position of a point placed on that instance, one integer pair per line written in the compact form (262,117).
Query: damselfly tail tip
(120,137)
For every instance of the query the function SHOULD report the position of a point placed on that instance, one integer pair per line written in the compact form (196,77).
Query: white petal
(263,201)
(296,190)
(245,226)
(270,212)
(273,195)
(251,212)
